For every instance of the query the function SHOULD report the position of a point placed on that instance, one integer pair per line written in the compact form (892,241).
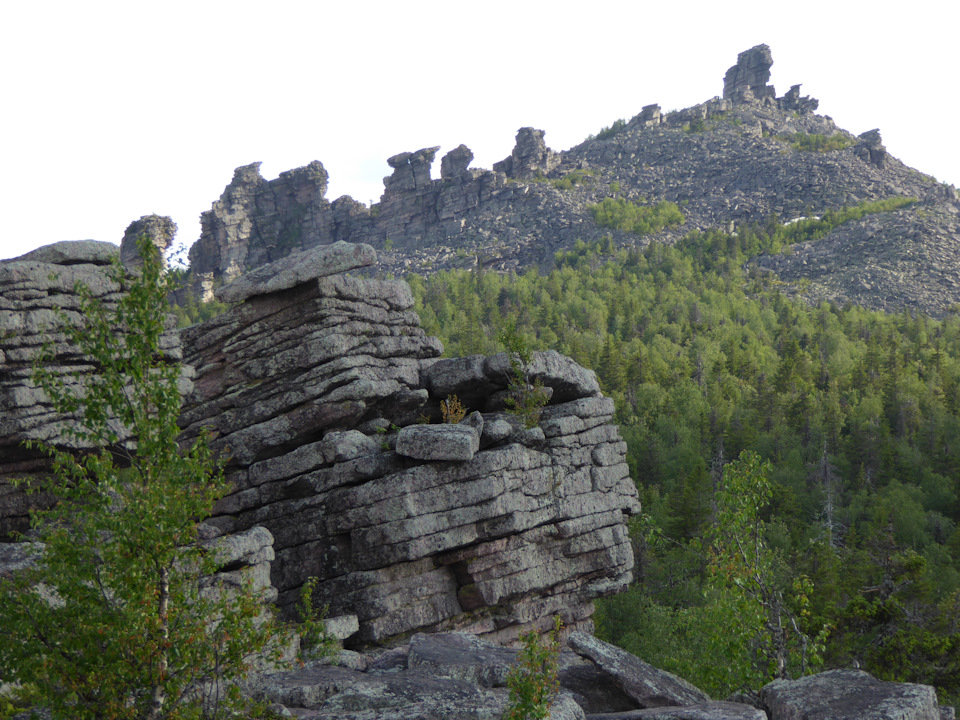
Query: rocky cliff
(731,160)
(325,394)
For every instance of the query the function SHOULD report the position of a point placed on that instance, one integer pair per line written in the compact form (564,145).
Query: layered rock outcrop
(315,388)
(38,300)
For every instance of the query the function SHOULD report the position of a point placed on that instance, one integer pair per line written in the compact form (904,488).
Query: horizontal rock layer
(38,301)
(316,394)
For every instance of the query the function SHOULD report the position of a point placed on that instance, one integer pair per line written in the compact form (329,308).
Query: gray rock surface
(704,711)
(38,301)
(317,393)
(298,268)
(749,77)
(645,684)
(848,694)
(159,231)
(438,442)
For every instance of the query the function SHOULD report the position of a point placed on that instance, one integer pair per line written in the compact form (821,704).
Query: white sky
(113,110)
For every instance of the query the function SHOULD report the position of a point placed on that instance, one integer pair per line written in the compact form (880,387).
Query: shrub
(815,142)
(526,399)
(452,410)
(533,680)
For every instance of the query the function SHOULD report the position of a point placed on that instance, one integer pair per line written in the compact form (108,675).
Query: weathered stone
(645,684)
(297,269)
(530,156)
(461,656)
(848,694)
(72,252)
(158,230)
(438,442)
(455,163)
(703,711)
(342,626)
(751,74)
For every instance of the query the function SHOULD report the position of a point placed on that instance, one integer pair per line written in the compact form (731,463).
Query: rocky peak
(749,77)
(455,163)
(530,156)
(158,229)
(256,221)
(411,170)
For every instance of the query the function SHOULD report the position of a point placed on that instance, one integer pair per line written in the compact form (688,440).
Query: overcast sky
(114,110)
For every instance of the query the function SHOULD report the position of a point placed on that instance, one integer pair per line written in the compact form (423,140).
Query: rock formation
(530,156)
(159,230)
(34,290)
(257,221)
(452,675)
(728,161)
(315,388)
(748,79)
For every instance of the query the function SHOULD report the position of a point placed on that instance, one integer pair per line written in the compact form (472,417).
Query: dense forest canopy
(852,415)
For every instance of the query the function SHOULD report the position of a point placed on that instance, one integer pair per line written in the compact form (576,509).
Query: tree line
(851,414)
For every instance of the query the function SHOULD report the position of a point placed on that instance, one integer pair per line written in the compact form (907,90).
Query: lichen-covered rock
(848,695)
(317,394)
(438,442)
(702,711)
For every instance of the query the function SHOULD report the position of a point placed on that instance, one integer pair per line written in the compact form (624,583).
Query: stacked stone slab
(34,289)
(311,385)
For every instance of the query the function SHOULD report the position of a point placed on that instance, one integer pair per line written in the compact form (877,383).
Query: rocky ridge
(728,161)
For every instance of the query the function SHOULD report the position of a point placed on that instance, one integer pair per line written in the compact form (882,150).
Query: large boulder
(848,695)
(646,685)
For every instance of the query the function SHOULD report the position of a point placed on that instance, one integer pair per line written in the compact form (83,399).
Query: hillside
(742,158)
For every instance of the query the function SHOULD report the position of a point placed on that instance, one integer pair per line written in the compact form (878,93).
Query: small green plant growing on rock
(526,399)
(315,641)
(533,680)
(452,410)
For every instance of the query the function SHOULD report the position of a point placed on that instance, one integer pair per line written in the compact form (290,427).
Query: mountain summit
(745,157)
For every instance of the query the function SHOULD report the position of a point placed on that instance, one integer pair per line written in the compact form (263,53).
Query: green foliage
(315,641)
(608,132)
(856,411)
(815,142)
(698,125)
(130,621)
(533,680)
(572,179)
(743,563)
(628,216)
(526,399)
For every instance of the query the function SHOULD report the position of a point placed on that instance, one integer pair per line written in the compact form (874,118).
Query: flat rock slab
(71,252)
(645,684)
(703,711)
(843,694)
(438,442)
(462,657)
(297,269)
